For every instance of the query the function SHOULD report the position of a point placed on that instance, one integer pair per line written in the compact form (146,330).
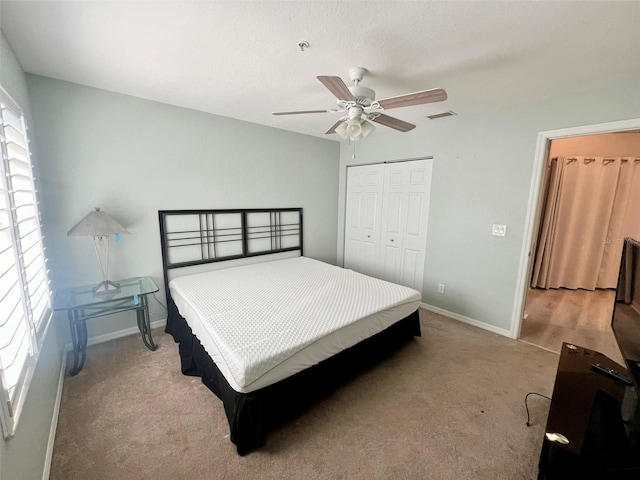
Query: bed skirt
(252,415)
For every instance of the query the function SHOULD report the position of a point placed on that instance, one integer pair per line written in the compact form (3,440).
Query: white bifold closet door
(387,209)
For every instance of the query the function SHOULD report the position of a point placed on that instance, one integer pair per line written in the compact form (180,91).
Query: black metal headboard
(195,237)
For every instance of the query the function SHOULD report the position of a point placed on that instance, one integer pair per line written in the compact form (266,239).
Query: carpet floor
(449,405)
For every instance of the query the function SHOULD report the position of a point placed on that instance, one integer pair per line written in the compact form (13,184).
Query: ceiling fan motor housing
(363,95)
(356,74)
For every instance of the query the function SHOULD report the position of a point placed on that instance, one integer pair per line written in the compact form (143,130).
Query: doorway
(547,317)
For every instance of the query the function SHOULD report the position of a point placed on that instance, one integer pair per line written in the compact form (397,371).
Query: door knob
(392,239)
(368,236)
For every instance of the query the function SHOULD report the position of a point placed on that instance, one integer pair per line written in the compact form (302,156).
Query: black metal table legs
(78,327)
(144,324)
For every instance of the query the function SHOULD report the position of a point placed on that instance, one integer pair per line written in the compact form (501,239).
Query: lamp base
(106,286)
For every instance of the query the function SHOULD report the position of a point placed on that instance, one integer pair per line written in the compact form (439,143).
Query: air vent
(441,115)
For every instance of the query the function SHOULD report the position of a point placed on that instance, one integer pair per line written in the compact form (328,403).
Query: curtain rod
(606,160)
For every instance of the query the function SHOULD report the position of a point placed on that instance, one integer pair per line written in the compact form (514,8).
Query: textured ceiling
(241,59)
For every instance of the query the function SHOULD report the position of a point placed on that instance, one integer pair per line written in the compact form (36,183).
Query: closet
(387,209)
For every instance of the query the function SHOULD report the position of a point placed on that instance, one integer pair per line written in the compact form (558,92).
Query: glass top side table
(82,304)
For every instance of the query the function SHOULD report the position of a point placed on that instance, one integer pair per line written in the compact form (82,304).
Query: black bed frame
(209,237)
(252,415)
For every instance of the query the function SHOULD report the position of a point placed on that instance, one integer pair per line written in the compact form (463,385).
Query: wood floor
(560,315)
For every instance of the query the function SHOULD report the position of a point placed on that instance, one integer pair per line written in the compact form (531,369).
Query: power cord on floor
(526,405)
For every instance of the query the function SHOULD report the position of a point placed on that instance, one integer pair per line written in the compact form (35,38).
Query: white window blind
(25,297)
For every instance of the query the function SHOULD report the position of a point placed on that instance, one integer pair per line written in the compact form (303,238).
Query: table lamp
(100,225)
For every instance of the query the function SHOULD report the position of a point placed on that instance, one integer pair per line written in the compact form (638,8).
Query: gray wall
(133,157)
(482,172)
(23,456)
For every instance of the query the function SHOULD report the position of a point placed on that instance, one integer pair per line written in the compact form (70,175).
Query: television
(625,322)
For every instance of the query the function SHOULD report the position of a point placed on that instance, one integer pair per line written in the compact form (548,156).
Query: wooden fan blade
(417,98)
(394,123)
(303,112)
(337,87)
(333,129)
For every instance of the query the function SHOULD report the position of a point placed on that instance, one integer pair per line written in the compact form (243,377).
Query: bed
(268,330)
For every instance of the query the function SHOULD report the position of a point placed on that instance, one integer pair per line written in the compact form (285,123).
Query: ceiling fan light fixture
(342,131)
(367,128)
(354,127)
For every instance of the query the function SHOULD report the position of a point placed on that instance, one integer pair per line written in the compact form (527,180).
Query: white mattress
(262,323)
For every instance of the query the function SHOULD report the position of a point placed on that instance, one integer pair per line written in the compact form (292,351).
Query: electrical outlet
(499,230)
(441,288)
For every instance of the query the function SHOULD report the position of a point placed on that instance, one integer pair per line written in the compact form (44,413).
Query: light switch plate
(499,230)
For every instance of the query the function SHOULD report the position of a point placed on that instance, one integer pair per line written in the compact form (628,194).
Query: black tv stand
(598,415)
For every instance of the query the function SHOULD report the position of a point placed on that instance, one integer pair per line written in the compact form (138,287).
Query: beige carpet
(447,406)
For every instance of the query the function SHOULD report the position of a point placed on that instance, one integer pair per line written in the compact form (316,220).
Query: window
(25,297)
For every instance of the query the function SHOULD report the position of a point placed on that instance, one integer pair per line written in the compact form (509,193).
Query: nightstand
(82,304)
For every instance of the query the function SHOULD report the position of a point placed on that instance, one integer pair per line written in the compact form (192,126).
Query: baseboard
(54,418)
(539,346)
(118,334)
(468,320)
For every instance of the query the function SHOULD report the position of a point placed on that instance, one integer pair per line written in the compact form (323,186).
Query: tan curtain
(591,205)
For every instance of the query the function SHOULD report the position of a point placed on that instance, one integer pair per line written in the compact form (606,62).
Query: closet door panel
(352,253)
(414,210)
(393,210)
(410,268)
(369,259)
(391,263)
(405,214)
(355,199)
(386,220)
(415,237)
(371,211)
(363,218)
(391,239)
(396,177)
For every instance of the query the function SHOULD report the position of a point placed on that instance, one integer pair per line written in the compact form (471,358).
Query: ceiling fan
(362,108)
